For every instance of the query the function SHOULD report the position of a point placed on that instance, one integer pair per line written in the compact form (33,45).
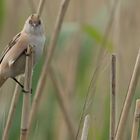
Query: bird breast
(37,42)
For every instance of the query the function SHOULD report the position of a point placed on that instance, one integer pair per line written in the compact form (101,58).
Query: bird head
(33,25)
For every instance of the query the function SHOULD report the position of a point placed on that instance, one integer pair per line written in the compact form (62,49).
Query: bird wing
(16,48)
(9,46)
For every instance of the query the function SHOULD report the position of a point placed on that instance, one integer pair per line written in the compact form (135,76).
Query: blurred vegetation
(2,12)
(97,36)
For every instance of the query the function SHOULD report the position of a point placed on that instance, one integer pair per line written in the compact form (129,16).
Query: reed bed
(76,92)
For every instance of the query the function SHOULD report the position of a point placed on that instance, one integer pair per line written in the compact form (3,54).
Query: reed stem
(27,95)
(40,7)
(113,98)
(12,110)
(128,100)
(48,58)
(85,128)
(136,121)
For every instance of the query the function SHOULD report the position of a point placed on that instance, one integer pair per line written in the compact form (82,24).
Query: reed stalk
(113,98)
(12,110)
(128,100)
(85,128)
(27,94)
(136,121)
(60,94)
(100,59)
(48,58)
(40,7)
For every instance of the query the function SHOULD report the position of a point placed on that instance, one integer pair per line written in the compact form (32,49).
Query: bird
(13,58)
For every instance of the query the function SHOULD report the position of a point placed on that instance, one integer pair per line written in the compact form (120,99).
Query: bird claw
(27,91)
(30,51)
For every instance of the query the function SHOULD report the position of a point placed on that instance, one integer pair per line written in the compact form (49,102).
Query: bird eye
(39,22)
(30,21)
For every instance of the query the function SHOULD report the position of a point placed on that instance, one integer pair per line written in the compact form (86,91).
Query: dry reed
(100,58)
(136,121)
(40,7)
(128,100)
(11,111)
(113,98)
(27,95)
(86,128)
(48,58)
(60,92)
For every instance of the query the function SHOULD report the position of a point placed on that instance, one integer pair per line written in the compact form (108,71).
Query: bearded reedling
(13,58)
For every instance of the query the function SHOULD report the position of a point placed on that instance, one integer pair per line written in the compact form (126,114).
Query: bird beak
(34,25)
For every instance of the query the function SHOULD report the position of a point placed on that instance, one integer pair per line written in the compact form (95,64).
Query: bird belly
(38,44)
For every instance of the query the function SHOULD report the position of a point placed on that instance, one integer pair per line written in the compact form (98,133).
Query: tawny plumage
(12,61)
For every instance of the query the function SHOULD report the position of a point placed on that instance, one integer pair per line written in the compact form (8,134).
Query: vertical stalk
(100,59)
(85,128)
(113,98)
(27,94)
(11,112)
(128,100)
(136,121)
(40,7)
(48,58)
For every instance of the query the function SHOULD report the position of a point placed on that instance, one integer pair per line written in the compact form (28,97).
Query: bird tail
(2,80)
